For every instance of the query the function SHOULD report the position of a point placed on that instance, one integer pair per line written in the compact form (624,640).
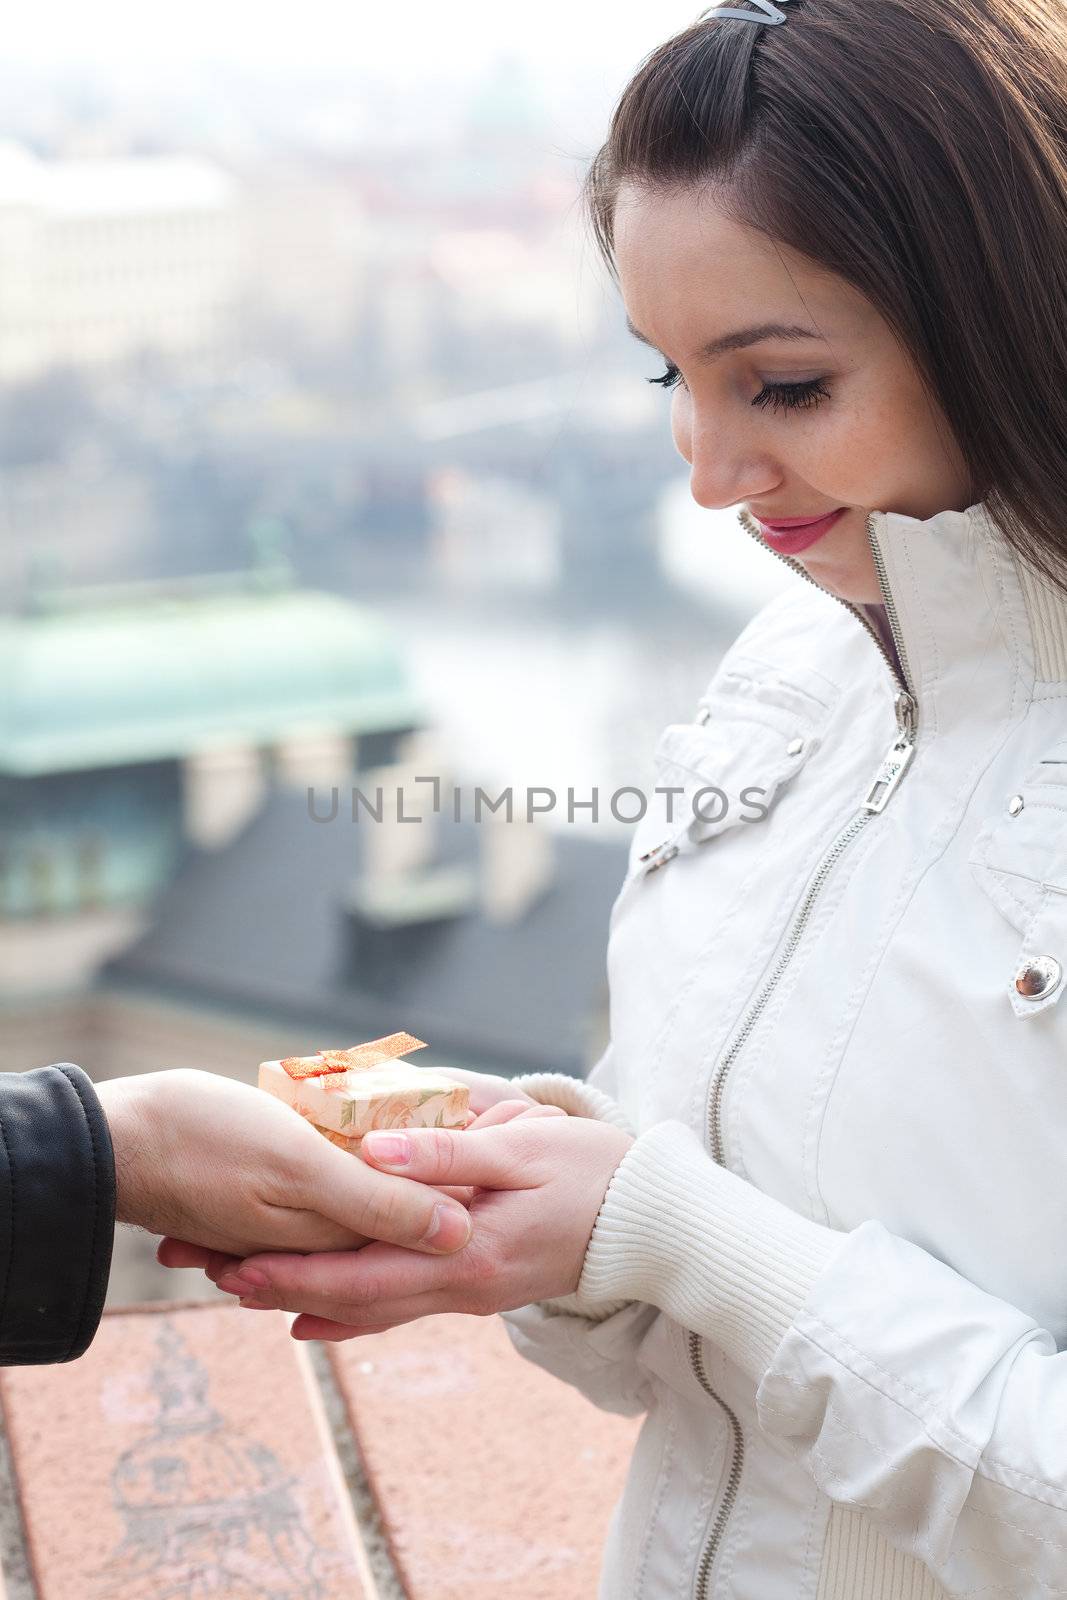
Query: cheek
(854,451)
(885,426)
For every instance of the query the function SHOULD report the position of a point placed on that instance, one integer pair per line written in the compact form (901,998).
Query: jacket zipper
(891,771)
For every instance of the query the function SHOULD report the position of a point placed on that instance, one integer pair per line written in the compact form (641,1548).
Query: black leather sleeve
(57,1214)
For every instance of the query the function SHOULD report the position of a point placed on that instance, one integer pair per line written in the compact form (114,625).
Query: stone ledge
(185,1452)
(491,1476)
(198,1448)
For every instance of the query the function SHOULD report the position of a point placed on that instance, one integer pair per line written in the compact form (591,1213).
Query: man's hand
(222,1167)
(541,1181)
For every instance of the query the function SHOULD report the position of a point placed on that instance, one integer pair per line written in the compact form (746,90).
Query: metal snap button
(1015,805)
(794,747)
(1037,978)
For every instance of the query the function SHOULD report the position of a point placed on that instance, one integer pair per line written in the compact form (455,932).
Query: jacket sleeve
(589,1343)
(57,1214)
(907,1391)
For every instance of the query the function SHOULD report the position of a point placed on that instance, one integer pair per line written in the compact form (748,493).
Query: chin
(857,589)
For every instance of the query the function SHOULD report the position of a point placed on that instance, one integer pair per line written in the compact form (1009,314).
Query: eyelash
(787,396)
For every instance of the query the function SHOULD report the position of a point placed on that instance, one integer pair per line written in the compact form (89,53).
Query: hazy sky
(558,35)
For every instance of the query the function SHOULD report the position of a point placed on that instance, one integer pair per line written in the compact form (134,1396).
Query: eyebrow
(740,339)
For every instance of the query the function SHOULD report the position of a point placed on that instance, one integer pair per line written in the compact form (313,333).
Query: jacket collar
(977,628)
(973,629)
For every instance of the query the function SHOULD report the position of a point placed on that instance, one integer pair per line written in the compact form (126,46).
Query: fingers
(488,1157)
(361,1288)
(485,1089)
(462,1075)
(308,1327)
(357,1320)
(511,1110)
(288,1228)
(493,1116)
(391,1209)
(177,1253)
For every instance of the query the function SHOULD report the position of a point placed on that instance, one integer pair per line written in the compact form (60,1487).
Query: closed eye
(783,396)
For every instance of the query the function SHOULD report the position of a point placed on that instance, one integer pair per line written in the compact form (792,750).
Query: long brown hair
(917,148)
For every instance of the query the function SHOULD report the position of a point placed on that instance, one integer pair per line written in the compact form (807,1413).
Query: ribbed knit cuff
(573,1095)
(713,1251)
(578,1099)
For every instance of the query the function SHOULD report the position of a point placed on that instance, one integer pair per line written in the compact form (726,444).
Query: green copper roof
(157,677)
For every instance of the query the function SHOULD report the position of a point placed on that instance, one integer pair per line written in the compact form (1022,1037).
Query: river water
(521,696)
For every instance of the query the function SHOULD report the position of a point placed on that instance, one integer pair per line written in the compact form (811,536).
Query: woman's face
(866,435)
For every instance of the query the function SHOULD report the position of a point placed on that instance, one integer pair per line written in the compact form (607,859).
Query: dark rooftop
(263,929)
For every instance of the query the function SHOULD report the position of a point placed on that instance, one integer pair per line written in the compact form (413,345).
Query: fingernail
(257,1305)
(248,1282)
(392,1149)
(450,1228)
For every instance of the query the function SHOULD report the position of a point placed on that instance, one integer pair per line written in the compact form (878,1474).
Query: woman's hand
(486,1089)
(540,1182)
(222,1167)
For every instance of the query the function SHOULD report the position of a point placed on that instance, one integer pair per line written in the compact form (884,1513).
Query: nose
(727,465)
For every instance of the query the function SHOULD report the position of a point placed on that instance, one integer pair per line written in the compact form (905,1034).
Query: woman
(808,1212)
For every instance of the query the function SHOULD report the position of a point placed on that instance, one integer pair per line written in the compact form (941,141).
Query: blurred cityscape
(324,460)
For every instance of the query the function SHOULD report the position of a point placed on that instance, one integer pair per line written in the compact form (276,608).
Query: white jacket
(832,1268)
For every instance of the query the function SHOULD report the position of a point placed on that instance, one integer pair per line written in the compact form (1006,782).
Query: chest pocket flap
(753,735)
(1019,858)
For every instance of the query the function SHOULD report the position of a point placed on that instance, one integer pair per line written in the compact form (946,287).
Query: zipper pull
(659,856)
(896,759)
(907,713)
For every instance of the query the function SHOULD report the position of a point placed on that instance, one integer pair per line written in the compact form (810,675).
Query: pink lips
(791,535)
